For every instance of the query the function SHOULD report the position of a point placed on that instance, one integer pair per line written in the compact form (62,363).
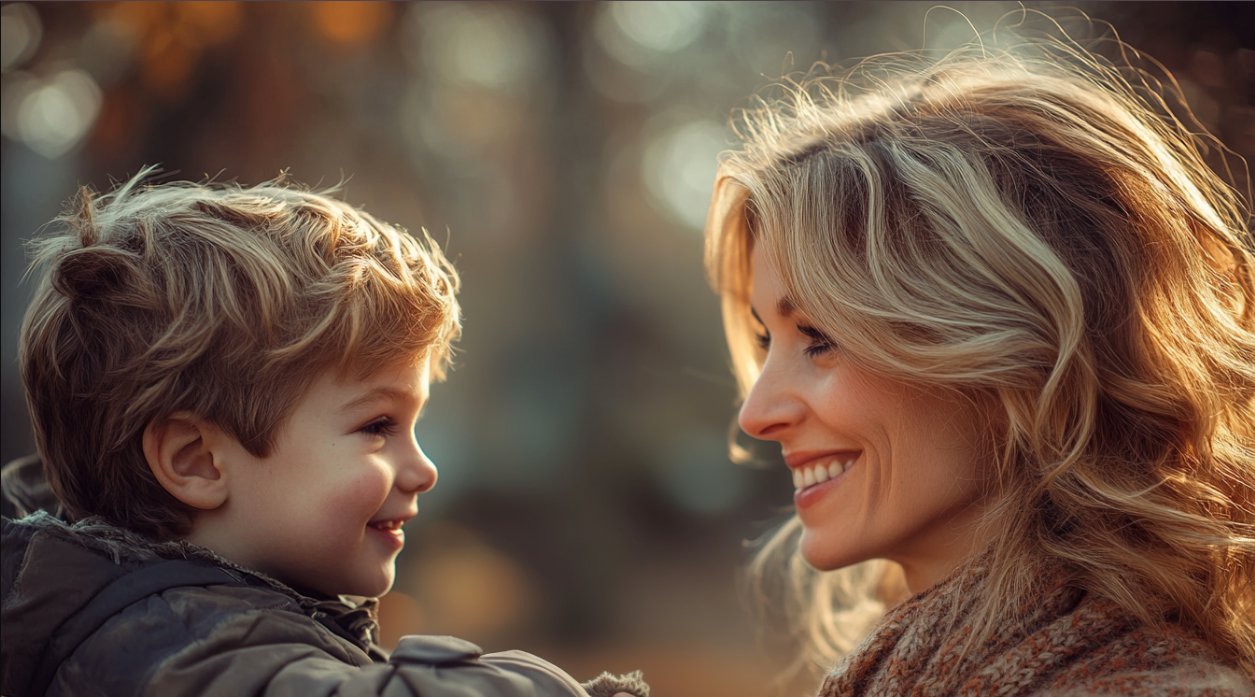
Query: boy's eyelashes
(386,425)
(382,426)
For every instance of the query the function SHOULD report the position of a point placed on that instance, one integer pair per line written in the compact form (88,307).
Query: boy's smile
(323,512)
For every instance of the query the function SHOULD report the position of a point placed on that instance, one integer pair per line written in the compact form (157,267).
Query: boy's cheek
(358,498)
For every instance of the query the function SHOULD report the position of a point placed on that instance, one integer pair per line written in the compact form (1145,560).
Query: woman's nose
(416,473)
(771,408)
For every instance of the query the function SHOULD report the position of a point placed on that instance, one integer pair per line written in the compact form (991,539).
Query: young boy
(224,384)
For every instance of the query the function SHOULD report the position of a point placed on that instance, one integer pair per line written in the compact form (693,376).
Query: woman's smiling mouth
(815,473)
(821,470)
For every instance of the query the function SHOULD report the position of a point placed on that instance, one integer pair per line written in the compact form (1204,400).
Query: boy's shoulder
(92,601)
(90,608)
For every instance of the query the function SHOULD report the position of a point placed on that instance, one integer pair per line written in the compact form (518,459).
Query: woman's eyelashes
(820,344)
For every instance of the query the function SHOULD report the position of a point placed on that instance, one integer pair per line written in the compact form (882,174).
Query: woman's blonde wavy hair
(1026,221)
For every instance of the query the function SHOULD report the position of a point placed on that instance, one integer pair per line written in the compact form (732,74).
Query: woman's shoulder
(1099,648)
(1069,643)
(1152,662)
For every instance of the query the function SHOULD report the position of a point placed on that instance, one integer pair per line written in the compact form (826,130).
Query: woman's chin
(823,555)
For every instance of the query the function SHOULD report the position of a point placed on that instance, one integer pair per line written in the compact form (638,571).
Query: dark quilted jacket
(92,609)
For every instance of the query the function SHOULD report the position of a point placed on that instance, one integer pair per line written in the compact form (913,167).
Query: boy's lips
(389,531)
(392,524)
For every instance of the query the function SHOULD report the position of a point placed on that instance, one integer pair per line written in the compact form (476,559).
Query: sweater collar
(922,642)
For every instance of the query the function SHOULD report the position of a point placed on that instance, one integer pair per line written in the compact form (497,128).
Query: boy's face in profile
(324,510)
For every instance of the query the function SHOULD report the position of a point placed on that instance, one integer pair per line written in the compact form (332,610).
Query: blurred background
(587,510)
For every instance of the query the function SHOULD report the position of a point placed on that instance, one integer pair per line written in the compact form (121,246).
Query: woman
(1000,317)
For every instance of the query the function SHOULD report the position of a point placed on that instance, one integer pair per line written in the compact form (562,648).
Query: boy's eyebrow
(379,394)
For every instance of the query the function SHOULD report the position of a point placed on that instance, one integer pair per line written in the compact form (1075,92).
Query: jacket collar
(25,487)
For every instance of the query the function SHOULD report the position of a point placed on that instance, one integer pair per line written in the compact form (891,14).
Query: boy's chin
(363,588)
(372,590)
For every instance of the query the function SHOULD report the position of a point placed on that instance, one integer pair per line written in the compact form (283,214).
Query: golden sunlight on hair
(1025,222)
(222,301)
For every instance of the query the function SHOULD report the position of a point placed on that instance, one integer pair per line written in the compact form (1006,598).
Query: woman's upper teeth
(820,471)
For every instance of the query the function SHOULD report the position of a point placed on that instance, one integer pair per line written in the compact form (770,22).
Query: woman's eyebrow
(784,307)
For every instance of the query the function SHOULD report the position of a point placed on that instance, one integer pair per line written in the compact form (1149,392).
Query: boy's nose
(417,473)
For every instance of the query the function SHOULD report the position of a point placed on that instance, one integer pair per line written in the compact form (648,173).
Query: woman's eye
(763,340)
(819,345)
(383,426)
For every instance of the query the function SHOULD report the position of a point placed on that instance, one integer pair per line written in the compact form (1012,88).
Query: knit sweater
(1065,643)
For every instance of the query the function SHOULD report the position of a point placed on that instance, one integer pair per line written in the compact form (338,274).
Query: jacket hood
(26,490)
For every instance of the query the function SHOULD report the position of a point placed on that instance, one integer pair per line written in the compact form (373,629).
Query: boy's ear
(178,452)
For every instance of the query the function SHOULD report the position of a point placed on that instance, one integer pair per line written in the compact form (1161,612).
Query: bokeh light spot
(661,26)
(498,47)
(54,115)
(679,169)
(20,31)
(640,33)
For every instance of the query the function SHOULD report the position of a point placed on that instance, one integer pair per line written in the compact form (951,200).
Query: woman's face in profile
(881,469)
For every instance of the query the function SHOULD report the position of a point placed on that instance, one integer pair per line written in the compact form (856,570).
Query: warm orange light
(468,588)
(207,23)
(167,65)
(349,23)
(139,17)
(399,614)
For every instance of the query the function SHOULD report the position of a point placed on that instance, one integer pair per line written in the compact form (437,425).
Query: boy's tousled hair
(223,301)
(1030,224)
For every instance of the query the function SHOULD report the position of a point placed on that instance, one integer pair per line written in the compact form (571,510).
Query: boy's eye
(820,344)
(383,426)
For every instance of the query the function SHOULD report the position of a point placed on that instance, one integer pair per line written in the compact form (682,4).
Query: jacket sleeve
(259,658)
